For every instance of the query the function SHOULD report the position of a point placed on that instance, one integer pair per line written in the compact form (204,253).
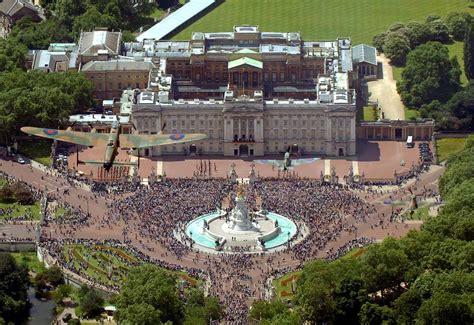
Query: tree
(141,313)
(375,314)
(91,19)
(350,294)
(438,31)
(396,47)
(428,75)
(22,193)
(419,33)
(61,293)
(457,23)
(150,285)
(91,304)
(407,305)
(54,276)
(379,40)
(445,309)
(469,51)
(461,105)
(384,266)
(13,285)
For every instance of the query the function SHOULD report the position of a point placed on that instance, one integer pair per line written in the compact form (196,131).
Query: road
(385,92)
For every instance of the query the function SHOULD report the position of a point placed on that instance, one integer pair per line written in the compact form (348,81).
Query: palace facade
(252,92)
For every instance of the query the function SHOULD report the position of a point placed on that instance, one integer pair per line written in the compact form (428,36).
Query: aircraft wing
(151,140)
(82,138)
(303,161)
(271,162)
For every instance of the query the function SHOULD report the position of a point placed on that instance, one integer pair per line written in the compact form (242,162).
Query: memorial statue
(239,219)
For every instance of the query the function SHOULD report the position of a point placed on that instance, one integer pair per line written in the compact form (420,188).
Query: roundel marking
(50,131)
(176,137)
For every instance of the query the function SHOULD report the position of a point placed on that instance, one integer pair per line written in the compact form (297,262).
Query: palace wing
(145,140)
(82,138)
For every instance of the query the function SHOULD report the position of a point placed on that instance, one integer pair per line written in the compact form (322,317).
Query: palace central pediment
(243,108)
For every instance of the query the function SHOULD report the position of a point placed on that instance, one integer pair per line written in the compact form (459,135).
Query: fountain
(221,230)
(238,219)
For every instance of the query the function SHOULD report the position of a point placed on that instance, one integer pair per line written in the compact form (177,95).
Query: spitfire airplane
(287,163)
(112,141)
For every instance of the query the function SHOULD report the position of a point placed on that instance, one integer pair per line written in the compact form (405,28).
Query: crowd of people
(327,210)
(156,216)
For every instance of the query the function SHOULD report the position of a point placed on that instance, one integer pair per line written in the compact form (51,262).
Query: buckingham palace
(253,93)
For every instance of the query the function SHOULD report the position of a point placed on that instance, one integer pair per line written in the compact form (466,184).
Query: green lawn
(37,150)
(30,259)
(318,19)
(60,212)
(457,49)
(157,13)
(411,113)
(20,210)
(397,72)
(448,146)
(370,113)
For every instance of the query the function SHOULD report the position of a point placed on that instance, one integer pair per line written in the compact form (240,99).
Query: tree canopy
(41,99)
(13,285)
(150,296)
(429,75)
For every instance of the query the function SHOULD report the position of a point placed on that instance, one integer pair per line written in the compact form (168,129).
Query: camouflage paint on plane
(113,140)
(286,163)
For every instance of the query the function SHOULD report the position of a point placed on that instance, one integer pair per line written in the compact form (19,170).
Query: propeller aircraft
(287,163)
(113,140)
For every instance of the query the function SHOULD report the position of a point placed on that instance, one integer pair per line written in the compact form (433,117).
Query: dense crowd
(327,211)
(162,211)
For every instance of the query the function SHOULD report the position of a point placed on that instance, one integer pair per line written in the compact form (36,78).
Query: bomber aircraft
(287,163)
(113,140)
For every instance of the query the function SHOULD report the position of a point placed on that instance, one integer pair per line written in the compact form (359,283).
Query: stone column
(353,129)
(247,122)
(255,135)
(239,134)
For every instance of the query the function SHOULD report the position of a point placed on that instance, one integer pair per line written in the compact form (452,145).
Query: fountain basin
(271,236)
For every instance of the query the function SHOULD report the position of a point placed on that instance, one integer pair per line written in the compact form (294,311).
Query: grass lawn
(397,72)
(457,49)
(411,113)
(283,285)
(448,146)
(157,13)
(30,259)
(318,19)
(37,150)
(370,113)
(20,210)
(60,212)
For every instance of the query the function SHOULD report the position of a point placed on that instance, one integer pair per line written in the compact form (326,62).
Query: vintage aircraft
(113,141)
(287,163)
